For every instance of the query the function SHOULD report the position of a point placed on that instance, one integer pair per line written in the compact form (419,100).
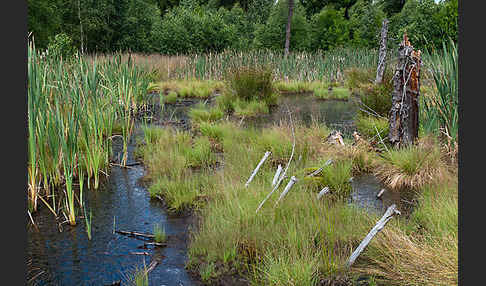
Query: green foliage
(43,20)
(366,126)
(377,97)
(329,29)
(61,46)
(426,23)
(198,30)
(159,233)
(271,35)
(365,24)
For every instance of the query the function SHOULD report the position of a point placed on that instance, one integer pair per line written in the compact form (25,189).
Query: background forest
(202,26)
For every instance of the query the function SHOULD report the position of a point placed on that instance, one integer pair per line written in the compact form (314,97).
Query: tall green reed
(72,107)
(301,66)
(441,108)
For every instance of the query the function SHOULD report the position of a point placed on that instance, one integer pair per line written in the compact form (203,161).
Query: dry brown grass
(412,167)
(162,66)
(398,259)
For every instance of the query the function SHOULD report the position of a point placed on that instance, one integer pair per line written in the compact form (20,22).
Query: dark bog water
(306,108)
(69,258)
(365,188)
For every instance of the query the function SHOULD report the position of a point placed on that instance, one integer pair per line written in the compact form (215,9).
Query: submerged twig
(133,233)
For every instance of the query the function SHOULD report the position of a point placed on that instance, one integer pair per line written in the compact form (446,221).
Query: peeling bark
(403,117)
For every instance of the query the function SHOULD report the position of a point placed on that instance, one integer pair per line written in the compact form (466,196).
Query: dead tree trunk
(287,30)
(403,117)
(380,70)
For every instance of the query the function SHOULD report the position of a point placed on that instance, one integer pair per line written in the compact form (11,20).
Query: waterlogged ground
(63,255)
(69,258)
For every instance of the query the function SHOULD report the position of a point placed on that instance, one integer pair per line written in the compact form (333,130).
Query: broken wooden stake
(277,174)
(329,161)
(324,191)
(257,168)
(282,176)
(380,193)
(292,181)
(390,212)
(335,138)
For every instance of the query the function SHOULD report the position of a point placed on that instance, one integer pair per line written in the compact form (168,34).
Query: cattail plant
(72,108)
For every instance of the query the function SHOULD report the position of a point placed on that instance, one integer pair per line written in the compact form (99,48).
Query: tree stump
(404,113)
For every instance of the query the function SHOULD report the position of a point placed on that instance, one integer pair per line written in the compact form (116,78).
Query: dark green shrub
(355,77)
(377,97)
(365,24)
(251,83)
(198,30)
(61,46)
(329,29)
(427,23)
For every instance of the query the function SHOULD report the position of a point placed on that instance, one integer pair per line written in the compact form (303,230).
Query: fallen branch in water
(133,233)
(151,266)
(160,244)
(140,253)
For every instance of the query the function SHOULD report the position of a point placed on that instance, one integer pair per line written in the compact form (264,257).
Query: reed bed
(300,66)
(73,105)
(440,112)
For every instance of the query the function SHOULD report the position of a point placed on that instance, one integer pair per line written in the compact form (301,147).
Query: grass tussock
(202,113)
(412,167)
(178,166)
(190,88)
(400,259)
(337,93)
